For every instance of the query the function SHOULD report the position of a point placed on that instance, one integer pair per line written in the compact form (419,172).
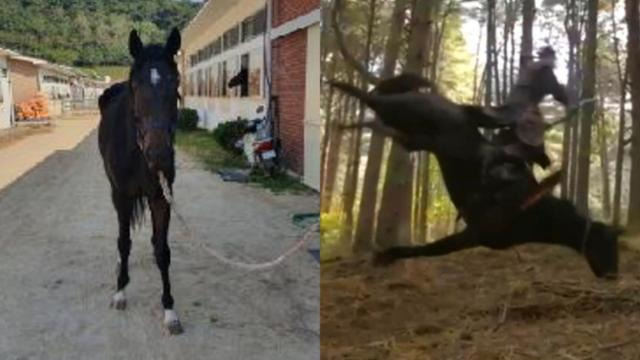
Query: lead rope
(166,192)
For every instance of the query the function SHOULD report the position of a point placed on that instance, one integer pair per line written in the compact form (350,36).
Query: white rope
(166,192)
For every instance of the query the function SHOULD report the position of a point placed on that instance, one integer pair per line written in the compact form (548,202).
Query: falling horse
(450,131)
(136,135)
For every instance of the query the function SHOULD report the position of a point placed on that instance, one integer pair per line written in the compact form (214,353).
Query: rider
(521,139)
(523,136)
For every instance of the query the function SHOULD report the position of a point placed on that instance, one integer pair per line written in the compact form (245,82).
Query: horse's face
(601,250)
(154,84)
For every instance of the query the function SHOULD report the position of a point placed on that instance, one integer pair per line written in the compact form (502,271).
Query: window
(244,73)
(222,78)
(212,82)
(260,22)
(217,46)
(253,25)
(231,37)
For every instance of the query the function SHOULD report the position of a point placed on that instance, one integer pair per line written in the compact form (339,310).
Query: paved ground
(58,255)
(20,156)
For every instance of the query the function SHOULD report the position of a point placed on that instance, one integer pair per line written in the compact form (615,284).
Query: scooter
(264,150)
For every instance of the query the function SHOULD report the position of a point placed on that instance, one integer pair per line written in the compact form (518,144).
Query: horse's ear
(135,44)
(173,42)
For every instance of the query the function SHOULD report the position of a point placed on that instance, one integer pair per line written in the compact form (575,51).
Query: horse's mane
(111,93)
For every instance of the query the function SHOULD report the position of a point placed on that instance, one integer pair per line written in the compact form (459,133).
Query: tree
(395,216)
(367,212)
(586,118)
(633,63)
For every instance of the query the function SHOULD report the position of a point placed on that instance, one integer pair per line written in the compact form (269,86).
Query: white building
(6,98)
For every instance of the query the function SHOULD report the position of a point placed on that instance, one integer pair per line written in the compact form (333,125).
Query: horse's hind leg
(160,214)
(124,207)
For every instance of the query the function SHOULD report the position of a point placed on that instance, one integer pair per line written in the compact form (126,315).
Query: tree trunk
(622,78)
(394,219)
(333,155)
(567,184)
(476,83)
(604,165)
(351,185)
(526,45)
(491,40)
(366,224)
(325,196)
(633,51)
(586,118)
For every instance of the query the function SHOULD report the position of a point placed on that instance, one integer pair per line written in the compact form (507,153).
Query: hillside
(87,32)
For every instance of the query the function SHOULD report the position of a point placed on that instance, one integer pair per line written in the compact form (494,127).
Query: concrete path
(58,255)
(20,156)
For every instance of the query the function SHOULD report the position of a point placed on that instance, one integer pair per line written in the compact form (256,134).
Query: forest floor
(541,302)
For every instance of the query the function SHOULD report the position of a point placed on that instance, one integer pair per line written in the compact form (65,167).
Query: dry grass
(481,304)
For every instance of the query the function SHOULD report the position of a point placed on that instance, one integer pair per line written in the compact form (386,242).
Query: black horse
(136,134)
(450,131)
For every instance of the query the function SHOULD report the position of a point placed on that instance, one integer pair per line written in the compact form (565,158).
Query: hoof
(384,258)
(171,322)
(119,302)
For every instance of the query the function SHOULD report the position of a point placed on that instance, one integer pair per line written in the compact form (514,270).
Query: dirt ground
(58,258)
(481,304)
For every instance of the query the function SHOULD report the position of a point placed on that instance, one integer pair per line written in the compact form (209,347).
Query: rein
(166,192)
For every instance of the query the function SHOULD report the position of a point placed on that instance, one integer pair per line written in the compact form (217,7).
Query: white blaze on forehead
(155,76)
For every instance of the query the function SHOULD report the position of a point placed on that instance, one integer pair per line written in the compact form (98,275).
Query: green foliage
(228,133)
(116,73)
(87,32)
(202,145)
(187,119)
(331,228)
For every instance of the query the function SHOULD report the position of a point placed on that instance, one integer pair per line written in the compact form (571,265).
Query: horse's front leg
(160,215)
(463,240)
(124,208)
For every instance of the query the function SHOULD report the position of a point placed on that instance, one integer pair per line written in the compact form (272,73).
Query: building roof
(210,11)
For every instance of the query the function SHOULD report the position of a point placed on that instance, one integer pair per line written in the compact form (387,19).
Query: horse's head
(600,247)
(153,82)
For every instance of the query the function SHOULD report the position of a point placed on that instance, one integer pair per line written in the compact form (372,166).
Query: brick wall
(286,10)
(24,80)
(289,74)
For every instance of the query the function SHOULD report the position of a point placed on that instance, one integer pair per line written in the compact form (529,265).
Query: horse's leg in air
(160,215)
(463,240)
(124,207)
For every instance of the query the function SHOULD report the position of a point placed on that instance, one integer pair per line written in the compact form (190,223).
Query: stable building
(273,46)
(25,77)
(6,98)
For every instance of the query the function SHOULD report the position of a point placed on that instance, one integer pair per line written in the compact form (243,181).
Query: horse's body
(450,132)
(136,143)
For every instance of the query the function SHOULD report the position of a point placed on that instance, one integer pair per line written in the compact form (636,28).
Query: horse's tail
(137,215)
